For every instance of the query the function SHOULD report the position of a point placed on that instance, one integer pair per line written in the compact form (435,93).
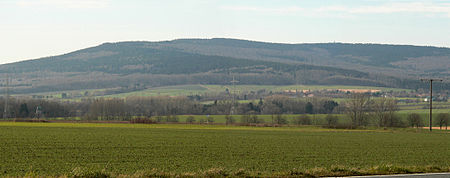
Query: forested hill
(215,61)
(389,59)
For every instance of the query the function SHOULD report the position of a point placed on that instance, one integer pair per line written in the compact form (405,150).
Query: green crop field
(424,111)
(183,149)
(316,119)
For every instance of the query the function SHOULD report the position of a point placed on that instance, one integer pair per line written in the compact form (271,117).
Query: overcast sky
(32,29)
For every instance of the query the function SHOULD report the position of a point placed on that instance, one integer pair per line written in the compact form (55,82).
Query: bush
(442,120)
(331,120)
(201,121)
(190,119)
(210,119)
(143,120)
(229,119)
(245,119)
(415,120)
(342,126)
(279,119)
(173,118)
(396,121)
(302,120)
(250,119)
(159,119)
(254,119)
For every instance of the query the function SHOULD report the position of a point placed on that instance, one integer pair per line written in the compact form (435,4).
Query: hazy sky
(38,28)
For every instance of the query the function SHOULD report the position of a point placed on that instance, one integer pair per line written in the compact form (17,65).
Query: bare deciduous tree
(280,119)
(442,119)
(302,120)
(331,120)
(190,119)
(384,111)
(358,109)
(415,120)
(229,119)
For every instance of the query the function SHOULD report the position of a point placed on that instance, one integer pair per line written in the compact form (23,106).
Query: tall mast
(6,108)
(234,95)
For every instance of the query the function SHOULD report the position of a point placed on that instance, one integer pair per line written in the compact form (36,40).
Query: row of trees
(442,120)
(124,109)
(246,119)
(330,120)
(361,109)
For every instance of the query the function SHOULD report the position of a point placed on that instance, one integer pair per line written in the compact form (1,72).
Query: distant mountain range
(216,61)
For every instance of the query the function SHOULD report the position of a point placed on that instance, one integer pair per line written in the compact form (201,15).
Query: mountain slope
(215,61)
(404,60)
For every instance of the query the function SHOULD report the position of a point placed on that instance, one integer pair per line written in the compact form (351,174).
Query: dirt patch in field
(359,90)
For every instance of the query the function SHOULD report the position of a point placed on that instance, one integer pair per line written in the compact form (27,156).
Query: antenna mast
(234,94)
(6,108)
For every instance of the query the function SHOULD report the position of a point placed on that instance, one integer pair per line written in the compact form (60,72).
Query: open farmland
(184,90)
(71,148)
(187,90)
(316,119)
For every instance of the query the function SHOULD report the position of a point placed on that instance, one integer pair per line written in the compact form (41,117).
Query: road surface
(422,175)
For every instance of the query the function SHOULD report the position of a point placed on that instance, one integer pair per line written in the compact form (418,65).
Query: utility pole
(304,72)
(38,113)
(6,108)
(234,81)
(431,99)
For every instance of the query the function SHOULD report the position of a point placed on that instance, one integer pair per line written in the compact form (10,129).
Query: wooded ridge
(216,61)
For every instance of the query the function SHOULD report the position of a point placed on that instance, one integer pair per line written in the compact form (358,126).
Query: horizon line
(226,38)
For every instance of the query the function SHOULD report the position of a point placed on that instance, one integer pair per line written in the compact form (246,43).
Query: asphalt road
(424,175)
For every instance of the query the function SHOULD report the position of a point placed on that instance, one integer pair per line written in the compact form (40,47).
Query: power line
(431,98)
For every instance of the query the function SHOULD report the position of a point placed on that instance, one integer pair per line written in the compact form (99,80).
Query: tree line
(361,109)
(125,108)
